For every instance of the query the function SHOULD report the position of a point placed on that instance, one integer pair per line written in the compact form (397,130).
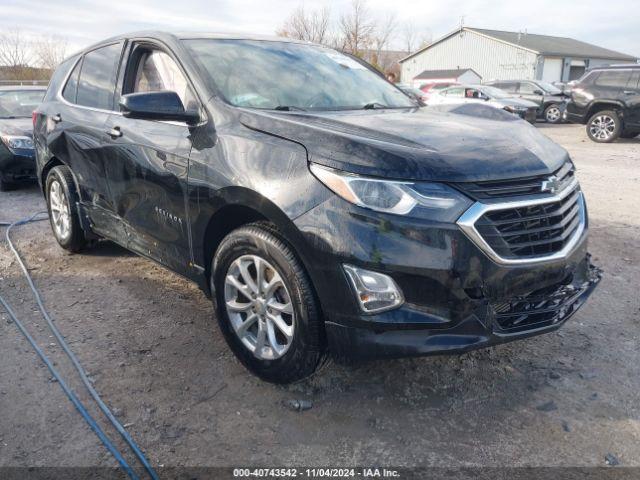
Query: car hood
(468,142)
(16,126)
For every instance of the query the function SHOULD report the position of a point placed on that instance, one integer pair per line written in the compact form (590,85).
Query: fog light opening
(376,292)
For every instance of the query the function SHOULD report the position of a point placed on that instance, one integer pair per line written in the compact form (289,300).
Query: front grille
(533,230)
(538,309)
(517,187)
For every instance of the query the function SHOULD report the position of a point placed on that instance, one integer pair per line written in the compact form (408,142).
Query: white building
(463,75)
(498,55)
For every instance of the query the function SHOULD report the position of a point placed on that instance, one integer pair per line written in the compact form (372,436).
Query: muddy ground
(154,352)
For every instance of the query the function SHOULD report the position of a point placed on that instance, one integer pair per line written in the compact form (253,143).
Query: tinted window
(634,83)
(508,87)
(58,77)
(528,88)
(588,78)
(157,71)
(69,92)
(613,78)
(98,77)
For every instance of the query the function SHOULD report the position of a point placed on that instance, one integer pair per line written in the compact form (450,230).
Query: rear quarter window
(613,78)
(58,77)
(98,77)
(70,89)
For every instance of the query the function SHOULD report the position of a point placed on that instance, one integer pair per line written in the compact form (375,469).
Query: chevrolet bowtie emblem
(551,185)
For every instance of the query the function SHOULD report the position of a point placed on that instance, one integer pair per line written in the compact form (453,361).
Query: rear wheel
(265,305)
(553,114)
(62,199)
(604,126)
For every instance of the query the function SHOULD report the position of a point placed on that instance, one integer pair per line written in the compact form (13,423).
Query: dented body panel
(170,191)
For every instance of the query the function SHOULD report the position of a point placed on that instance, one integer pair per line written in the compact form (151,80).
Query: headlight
(17,142)
(437,201)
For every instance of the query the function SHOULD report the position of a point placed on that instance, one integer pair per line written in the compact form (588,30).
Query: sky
(613,24)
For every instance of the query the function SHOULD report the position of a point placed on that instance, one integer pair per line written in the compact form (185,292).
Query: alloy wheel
(259,307)
(553,114)
(602,127)
(60,211)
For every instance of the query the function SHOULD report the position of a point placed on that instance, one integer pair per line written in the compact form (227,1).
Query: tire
(282,359)
(62,198)
(553,114)
(630,134)
(604,126)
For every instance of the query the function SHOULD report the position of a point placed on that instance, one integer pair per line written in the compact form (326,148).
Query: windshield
(547,87)
(292,76)
(493,92)
(19,103)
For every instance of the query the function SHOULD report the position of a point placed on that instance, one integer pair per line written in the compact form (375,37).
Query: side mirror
(538,92)
(163,105)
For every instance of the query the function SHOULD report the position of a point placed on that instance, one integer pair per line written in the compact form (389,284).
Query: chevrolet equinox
(318,206)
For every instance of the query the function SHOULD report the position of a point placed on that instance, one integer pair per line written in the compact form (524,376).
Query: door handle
(115,132)
(630,92)
(56,118)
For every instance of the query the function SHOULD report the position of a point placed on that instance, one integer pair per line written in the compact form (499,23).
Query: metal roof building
(496,54)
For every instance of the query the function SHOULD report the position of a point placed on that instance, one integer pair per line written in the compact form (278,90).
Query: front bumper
(456,297)
(17,166)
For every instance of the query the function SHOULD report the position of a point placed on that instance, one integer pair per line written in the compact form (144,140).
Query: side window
(588,78)
(634,82)
(98,77)
(613,78)
(156,71)
(508,87)
(527,88)
(58,77)
(69,92)
(455,92)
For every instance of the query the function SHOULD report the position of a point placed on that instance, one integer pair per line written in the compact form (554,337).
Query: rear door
(632,100)
(77,129)
(610,85)
(149,161)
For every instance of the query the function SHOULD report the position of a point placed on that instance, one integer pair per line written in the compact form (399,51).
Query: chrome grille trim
(468,220)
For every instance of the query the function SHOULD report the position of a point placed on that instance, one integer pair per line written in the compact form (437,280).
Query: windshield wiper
(374,105)
(289,108)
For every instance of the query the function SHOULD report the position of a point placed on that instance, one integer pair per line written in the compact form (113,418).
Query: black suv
(550,99)
(607,101)
(317,205)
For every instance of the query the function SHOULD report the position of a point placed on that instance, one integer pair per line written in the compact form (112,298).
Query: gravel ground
(149,342)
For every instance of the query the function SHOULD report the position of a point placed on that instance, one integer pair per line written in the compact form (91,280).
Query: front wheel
(604,126)
(553,113)
(265,305)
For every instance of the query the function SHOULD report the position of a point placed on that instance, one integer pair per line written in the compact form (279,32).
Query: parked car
(491,96)
(551,101)
(414,93)
(17,156)
(607,101)
(431,88)
(312,200)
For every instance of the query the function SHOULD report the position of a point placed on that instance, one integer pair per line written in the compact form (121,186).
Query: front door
(148,164)
(532,92)
(632,100)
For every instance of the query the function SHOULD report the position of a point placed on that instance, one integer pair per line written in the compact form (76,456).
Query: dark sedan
(17,155)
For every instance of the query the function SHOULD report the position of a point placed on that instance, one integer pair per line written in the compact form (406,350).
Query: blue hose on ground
(83,376)
(83,411)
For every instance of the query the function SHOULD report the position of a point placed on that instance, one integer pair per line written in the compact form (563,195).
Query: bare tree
(50,51)
(14,49)
(356,28)
(311,26)
(410,37)
(383,34)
